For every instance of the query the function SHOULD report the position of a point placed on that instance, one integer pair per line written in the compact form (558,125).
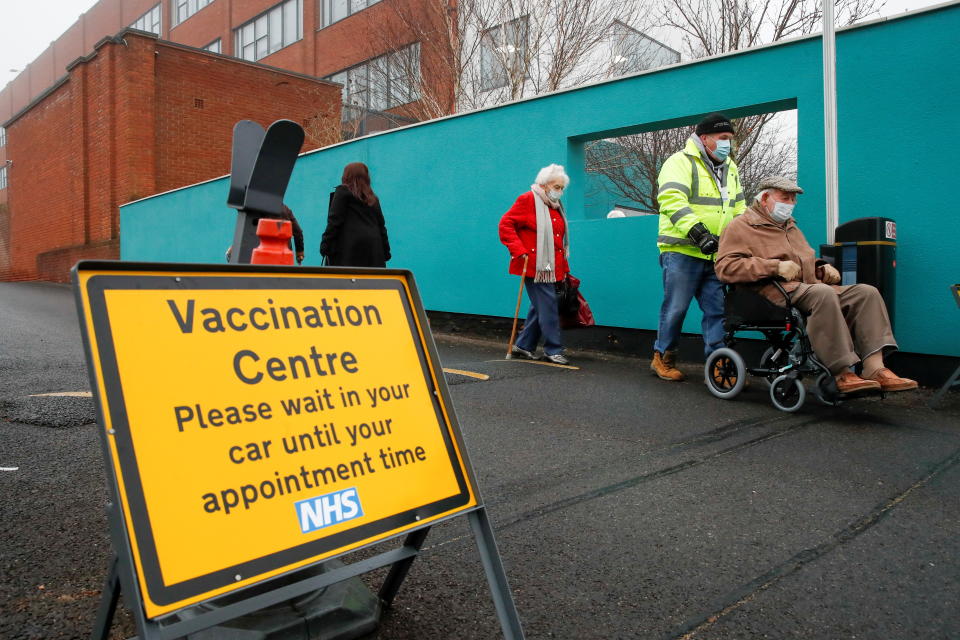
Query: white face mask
(554,195)
(781,212)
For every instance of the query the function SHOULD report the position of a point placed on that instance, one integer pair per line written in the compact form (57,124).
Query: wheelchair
(788,359)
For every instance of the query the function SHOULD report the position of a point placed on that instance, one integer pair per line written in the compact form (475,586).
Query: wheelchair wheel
(767,362)
(826,390)
(725,373)
(787,394)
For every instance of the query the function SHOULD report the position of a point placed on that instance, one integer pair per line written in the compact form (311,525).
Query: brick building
(341,40)
(344,41)
(137,116)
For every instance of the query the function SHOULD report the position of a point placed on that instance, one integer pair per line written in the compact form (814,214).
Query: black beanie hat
(714,123)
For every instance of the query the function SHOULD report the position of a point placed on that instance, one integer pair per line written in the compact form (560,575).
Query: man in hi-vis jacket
(699,193)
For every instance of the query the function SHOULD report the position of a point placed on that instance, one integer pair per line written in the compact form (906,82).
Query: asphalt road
(624,507)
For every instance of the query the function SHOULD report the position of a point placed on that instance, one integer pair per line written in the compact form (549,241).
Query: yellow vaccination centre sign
(259,420)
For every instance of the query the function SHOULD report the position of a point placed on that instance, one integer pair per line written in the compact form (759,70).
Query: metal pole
(830,119)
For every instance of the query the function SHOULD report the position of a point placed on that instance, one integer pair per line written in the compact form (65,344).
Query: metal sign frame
(123,571)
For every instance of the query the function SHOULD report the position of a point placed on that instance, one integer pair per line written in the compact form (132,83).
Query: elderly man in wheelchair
(814,326)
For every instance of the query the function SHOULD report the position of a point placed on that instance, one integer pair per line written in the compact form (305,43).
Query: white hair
(553,172)
(757,197)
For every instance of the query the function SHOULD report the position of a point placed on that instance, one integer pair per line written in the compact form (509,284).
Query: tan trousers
(845,324)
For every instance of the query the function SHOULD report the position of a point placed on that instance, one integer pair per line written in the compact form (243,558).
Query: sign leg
(951,382)
(108,603)
(496,577)
(391,585)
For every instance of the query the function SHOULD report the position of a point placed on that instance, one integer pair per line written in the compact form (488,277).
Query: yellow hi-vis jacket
(689,192)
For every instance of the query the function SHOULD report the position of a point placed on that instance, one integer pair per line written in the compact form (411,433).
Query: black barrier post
(261,164)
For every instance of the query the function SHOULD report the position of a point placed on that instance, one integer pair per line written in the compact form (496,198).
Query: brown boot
(849,382)
(664,366)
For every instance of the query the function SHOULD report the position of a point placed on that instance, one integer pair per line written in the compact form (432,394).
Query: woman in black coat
(356,235)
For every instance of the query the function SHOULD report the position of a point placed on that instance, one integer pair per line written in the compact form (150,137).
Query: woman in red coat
(534,230)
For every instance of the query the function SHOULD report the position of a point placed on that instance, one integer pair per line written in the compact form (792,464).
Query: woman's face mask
(554,194)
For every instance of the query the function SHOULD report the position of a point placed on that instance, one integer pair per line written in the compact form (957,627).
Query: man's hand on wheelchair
(707,242)
(788,270)
(828,274)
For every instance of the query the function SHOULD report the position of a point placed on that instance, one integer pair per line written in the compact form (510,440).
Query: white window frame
(329,14)
(497,55)
(152,17)
(215,47)
(362,88)
(3,137)
(3,177)
(181,10)
(276,28)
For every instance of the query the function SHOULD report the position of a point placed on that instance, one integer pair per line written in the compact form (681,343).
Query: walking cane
(516,314)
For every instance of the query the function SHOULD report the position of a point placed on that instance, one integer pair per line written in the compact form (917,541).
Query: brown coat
(753,245)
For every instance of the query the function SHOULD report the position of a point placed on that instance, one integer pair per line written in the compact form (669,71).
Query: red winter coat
(518,232)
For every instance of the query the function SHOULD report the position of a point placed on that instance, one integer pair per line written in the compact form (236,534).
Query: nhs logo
(329,509)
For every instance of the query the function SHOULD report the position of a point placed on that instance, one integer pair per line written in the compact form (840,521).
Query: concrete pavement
(625,507)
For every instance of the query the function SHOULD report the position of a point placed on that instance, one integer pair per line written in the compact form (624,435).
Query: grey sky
(28,28)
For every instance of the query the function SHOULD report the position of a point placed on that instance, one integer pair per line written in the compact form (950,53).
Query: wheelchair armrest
(786,296)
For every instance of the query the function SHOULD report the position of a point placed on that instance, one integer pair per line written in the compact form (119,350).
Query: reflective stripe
(680,214)
(702,200)
(674,185)
(695,177)
(695,197)
(740,197)
(672,240)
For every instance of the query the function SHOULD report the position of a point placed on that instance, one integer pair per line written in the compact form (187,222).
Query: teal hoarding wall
(445,184)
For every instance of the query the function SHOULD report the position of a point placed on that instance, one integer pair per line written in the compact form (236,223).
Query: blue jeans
(683,278)
(543,319)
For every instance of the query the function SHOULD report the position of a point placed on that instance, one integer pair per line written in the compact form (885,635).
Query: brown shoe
(849,382)
(889,381)
(663,366)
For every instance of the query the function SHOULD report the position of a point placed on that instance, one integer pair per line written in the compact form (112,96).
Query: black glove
(705,241)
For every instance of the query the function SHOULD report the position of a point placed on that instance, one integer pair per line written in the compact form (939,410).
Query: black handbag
(568,302)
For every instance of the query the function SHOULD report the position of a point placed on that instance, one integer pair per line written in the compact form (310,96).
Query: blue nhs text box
(328,509)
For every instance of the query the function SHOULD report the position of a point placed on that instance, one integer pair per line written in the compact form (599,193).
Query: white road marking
(63,394)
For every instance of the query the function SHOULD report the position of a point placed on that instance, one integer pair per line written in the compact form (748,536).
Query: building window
(333,10)
(183,9)
(214,46)
(3,137)
(3,177)
(503,53)
(150,21)
(269,32)
(381,83)
(634,51)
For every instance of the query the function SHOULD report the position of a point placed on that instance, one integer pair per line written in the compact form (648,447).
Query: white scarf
(546,269)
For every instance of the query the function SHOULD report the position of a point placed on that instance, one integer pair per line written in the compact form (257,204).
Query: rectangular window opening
(622,172)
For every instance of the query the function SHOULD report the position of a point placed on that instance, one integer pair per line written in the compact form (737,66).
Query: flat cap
(779,182)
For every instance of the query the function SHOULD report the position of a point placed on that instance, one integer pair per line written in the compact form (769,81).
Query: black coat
(356,235)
